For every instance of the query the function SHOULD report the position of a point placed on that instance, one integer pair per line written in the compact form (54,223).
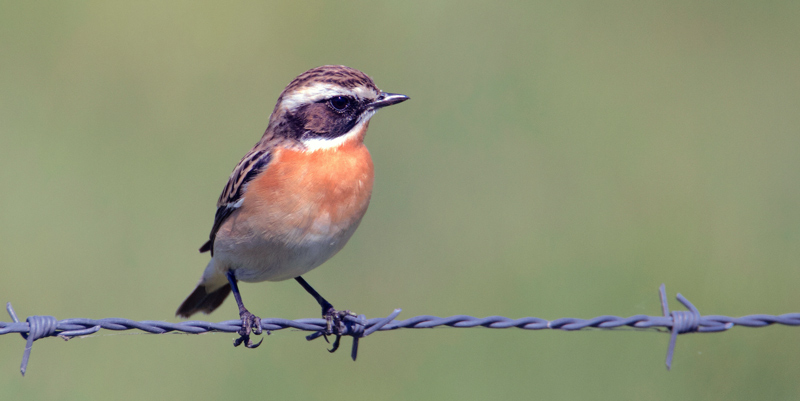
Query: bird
(296,198)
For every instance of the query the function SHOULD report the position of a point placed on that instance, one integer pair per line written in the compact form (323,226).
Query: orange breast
(309,193)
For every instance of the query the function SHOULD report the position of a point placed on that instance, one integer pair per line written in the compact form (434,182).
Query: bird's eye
(339,103)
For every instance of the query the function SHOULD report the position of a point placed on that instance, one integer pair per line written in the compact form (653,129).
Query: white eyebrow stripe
(319,91)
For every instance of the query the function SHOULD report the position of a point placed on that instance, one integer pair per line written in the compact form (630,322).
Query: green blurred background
(556,159)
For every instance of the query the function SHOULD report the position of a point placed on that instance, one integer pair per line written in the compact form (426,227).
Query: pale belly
(269,258)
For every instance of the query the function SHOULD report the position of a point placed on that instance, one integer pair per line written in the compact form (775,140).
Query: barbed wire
(676,322)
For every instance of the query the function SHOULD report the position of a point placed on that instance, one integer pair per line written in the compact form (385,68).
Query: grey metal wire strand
(676,322)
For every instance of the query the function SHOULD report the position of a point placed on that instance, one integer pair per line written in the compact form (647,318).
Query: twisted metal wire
(676,322)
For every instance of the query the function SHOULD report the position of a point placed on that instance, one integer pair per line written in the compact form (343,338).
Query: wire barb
(677,322)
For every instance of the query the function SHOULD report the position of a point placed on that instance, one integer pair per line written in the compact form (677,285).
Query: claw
(334,326)
(335,344)
(250,324)
(248,342)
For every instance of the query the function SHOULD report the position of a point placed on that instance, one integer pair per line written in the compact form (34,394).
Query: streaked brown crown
(341,75)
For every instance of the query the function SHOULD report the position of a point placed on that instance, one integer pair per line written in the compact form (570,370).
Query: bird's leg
(331,316)
(249,320)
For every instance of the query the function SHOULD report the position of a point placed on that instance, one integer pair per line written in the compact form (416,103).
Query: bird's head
(327,106)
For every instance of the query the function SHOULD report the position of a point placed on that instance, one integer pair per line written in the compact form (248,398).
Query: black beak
(387,99)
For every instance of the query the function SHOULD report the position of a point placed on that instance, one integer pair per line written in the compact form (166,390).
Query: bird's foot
(250,323)
(334,325)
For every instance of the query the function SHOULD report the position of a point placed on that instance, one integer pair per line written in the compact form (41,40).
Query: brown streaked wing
(253,163)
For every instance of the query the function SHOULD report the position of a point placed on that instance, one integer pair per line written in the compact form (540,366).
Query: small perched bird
(295,199)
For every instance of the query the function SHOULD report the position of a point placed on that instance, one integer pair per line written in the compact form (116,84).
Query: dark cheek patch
(318,119)
(321,122)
